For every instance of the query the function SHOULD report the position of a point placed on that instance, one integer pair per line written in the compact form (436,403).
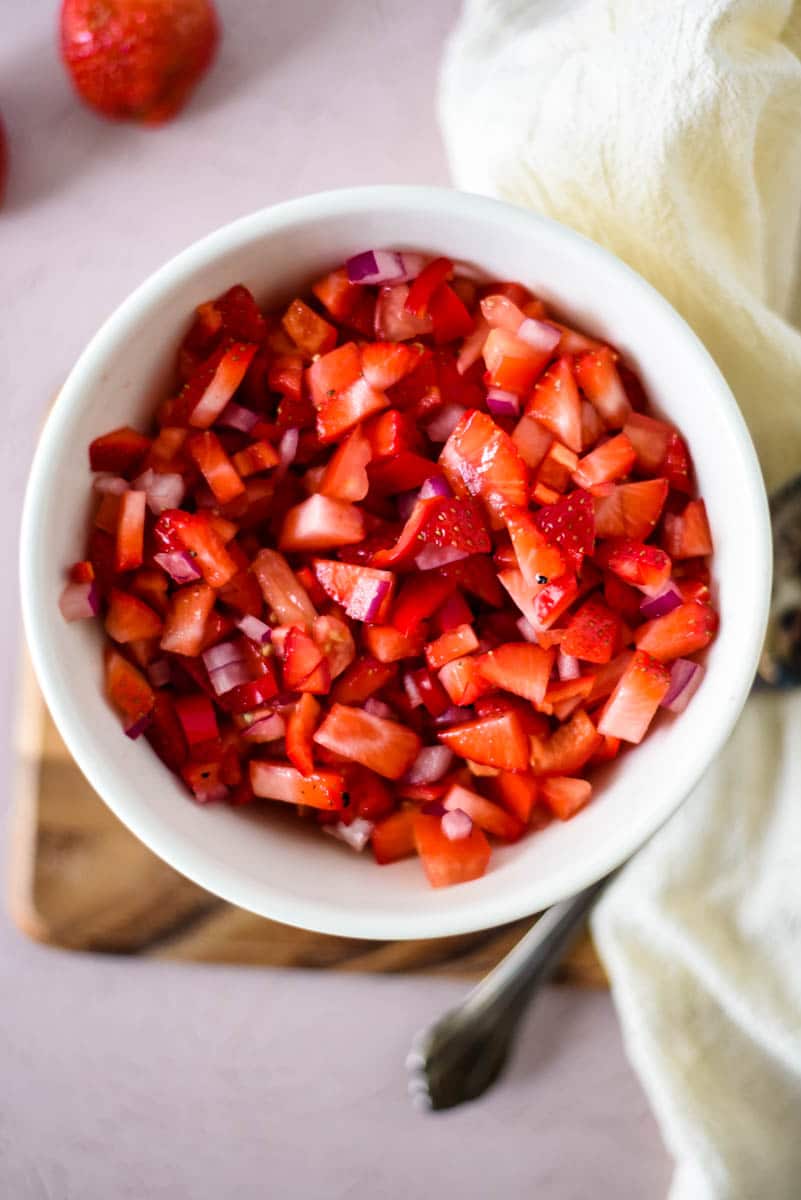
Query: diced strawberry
(283,593)
(680,633)
(593,632)
(185,623)
(477,576)
(462,681)
(570,525)
(419,598)
(216,467)
(557,468)
(435,699)
(341,395)
(518,667)
(565,796)
(501,312)
(609,749)
(299,729)
(568,749)
(127,688)
(631,510)
(599,381)
(555,404)
(279,781)
(383,746)
(198,719)
(150,584)
(394,322)
(421,292)
(512,364)
(610,461)
(388,644)
(337,294)
(310,333)
(239,315)
(687,534)
(562,691)
(107,516)
(479,459)
(336,642)
(450,317)
(449,862)
(119,452)
(362,679)
(517,791)
(304,667)
(482,812)
(195,533)
(129,618)
(258,456)
(496,741)
(533,441)
(453,613)
(386,363)
(393,838)
(286,376)
(371,798)
(541,606)
(362,591)
(633,704)
(622,598)
(320,524)
(453,644)
(592,427)
(646,567)
(165,733)
(539,560)
(389,433)
(677,467)
(649,438)
(402,473)
(130,531)
(212,386)
(531,721)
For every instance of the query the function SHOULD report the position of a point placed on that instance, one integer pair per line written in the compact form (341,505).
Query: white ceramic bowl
(276,866)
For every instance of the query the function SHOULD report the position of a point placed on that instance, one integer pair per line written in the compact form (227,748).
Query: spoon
(464,1052)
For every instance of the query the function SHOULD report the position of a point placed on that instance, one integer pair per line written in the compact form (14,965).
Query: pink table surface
(125,1079)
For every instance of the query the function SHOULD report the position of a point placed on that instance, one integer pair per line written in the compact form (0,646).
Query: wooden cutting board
(81,881)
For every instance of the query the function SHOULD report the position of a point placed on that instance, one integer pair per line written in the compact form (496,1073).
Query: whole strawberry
(137,59)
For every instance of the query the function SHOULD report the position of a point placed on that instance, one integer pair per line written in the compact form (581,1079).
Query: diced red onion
(287,449)
(662,603)
(444,423)
(453,716)
(179,565)
(165,491)
(383,266)
(404,503)
(567,666)
(232,675)
(136,728)
(430,765)
(79,600)
(431,558)
(234,416)
(685,679)
(266,729)
(212,795)
(435,485)
(110,485)
(412,690)
(159,672)
(222,655)
(527,630)
(502,403)
(456,825)
(377,708)
(356,835)
(540,334)
(255,629)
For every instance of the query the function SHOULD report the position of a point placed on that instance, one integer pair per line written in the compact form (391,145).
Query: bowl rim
(197,864)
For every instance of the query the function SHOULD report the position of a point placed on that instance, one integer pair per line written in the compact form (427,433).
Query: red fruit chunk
(341,395)
(399,474)
(644,566)
(393,838)
(258,456)
(185,623)
(363,592)
(435,699)
(279,781)
(371,798)
(283,593)
(462,681)
(600,383)
(299,729)
(532,440)
(389,433)
(518,667)
(394,322)
(677,467)
(495,741)
(130,531)
(479,459)
(518,792)
(609,461)
(512,364)
(386,363)
(165,733)
(450,318)
(565,796)
(363,679)
(631,510)
(196,534)
(649,438)
(217,385)
(304,667)
(680,633)
(388,644)
(384,746)
(310,333)
(539,560)
(687,534)
(419,598)
(556,405)
(239,315)
(453,644)
(456,525)
(570,525)
(336,642)
(633,704)
(336,293)
(321,524)
(622,598)
(593,632)
(541,606)
(568,749)
(129,618)
(215,466)
(345,476)
(127,688)
(119,452)
(421,292)
(198,719)
(448,862)
(482,812)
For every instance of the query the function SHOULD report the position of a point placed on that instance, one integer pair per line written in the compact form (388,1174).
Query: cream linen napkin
(670,131)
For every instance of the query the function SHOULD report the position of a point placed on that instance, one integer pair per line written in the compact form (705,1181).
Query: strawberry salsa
(409,555)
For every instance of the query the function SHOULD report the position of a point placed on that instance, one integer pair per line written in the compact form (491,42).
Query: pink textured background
(123,1079)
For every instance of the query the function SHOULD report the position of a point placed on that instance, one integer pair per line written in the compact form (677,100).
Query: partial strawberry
(129,618)
(518,667)
(299,730)
(631,509)
(386,363)
(565,796)
(479,459)
(137,59)
(610,461)
(645,566)
(363,592)
(345,476)
(308,330)
(555,403)
(687,534)
(634,703)
(593,632)
(482,812)
(680,633)
(599,381)
(539,560)
(570,525)
(568,749)
(448,862)
(496,741)
(304,667)
(512,364)
(381,745)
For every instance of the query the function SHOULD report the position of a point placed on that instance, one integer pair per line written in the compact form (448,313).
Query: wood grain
(79,880)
